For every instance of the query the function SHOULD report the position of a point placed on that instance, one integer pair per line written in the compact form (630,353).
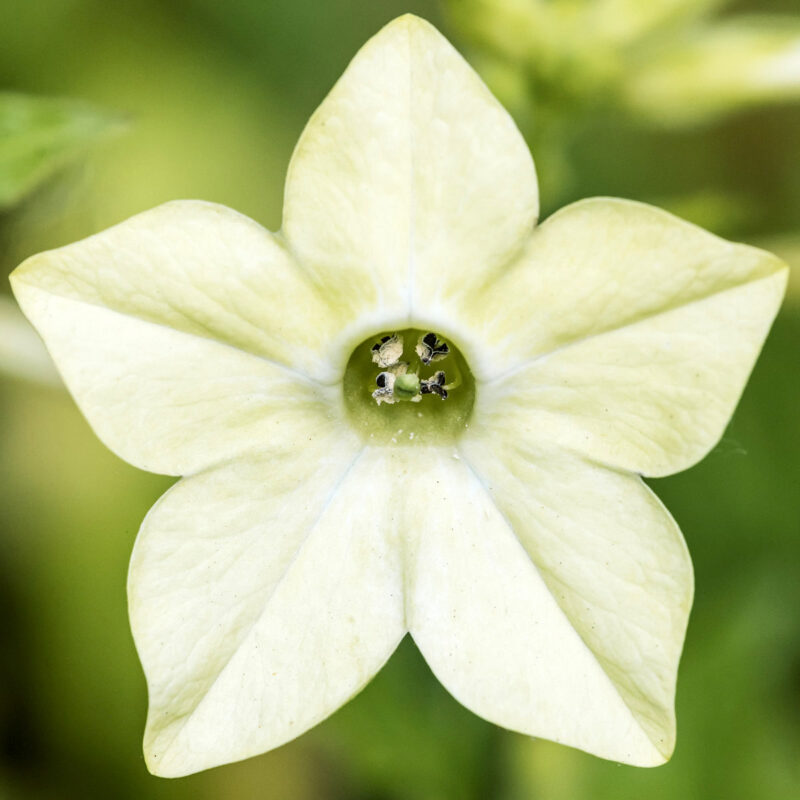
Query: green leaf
(41,135)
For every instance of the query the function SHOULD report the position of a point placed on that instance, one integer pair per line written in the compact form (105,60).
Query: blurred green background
(193,98)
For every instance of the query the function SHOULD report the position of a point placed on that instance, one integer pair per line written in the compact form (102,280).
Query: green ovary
(413,418)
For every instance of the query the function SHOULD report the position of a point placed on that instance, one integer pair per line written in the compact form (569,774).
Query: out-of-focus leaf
(513,29)
(622,22)
(717,70)
(405,737)
(40,135)
(579,35)
(22,354)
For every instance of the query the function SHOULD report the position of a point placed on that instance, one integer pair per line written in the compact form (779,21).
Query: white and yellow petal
(184,336)
(625,334)
(551,596)
(409,182)
(263,595)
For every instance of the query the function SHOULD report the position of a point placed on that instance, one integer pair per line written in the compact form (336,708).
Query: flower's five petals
(625,334)
(551,597)
(544,583)
(177,332)
(410,181)
(263,595)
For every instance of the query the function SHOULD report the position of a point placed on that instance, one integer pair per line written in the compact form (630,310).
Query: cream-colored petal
(652,398)
(410,181)
(202,269)
(263,595)
(172,402)
(550,596)
(625,334)
(595,266)
(176,334)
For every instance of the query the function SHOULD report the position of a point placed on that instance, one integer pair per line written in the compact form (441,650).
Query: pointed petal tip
(409,29)
(168,764)
(410,22)
(406,25)
(156,767)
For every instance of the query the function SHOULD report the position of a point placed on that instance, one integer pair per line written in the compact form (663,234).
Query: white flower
(506,526)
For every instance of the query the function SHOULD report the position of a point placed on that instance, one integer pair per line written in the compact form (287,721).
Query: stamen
(434,385)
(430,348)
(385,391)
(412,389)
(388,350)
(399,381)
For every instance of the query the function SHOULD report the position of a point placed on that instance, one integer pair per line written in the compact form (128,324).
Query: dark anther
(431,348)
(434,385)
(381,380)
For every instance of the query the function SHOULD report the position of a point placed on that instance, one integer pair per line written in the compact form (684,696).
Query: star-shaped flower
(492,506)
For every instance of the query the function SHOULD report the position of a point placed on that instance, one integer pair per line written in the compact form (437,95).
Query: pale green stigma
(406,387)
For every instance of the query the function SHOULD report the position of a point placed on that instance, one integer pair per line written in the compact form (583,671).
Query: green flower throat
(408,387)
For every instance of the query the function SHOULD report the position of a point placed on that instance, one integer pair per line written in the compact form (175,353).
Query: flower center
(408,387)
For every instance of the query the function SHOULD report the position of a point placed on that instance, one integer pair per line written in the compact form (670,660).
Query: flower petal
(410,181)
(199,268)
(263,595)
(154,326)
(625,334)
(559,612)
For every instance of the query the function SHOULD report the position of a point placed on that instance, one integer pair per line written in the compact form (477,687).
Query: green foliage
(41,135)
